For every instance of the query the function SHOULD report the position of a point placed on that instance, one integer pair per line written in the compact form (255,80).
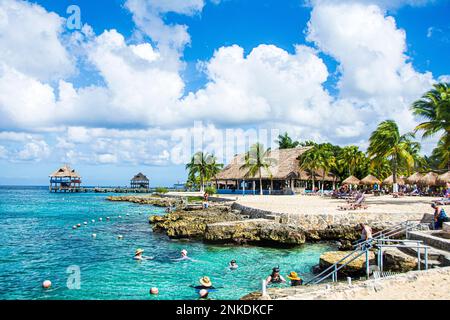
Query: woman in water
(184,256)
(205,284)
(295,279)
(275,277)
(233,265)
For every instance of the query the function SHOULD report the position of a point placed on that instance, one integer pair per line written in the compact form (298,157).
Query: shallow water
(38,243)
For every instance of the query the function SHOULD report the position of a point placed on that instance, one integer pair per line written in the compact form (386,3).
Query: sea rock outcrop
(259,231)
(192,223)
(151,200)
(397,261)
(354,268)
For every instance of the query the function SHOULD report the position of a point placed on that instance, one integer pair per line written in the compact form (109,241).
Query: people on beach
(295,279)
(206,200)
(439,216)
(275,277)
(233,265)
(366,232)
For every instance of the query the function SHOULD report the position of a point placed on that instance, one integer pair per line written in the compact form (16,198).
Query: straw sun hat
(293,276)
(206,282)
(138,251)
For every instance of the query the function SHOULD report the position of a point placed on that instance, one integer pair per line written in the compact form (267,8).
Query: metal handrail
(389,229)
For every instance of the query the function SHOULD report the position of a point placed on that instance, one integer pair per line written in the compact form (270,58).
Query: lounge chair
(358,204)
(442,202)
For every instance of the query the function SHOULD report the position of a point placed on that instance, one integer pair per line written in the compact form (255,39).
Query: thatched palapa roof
(430,179)
(415,178)
(140,177)
(65,172)
(284,164)
(390,180)
(444,178)
(351,180)
(370,179)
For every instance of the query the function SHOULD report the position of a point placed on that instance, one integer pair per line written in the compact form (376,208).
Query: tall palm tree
(387,143)
(309,161)
(434,107)
(204,166)
(286,142)
(442,154)
(325,161)
(257,159)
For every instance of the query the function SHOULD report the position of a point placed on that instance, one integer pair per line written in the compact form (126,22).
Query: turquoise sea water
(38,243)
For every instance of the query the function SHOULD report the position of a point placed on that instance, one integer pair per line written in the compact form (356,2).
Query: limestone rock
(356,267)
(260,231)
(397,261)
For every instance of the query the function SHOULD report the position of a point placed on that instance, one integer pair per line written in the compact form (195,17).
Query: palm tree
(351,159)
(285,142)
(442,154)
(434,106)
(325,161)
(204,166)
(257,159)
(309,161)
(387,143)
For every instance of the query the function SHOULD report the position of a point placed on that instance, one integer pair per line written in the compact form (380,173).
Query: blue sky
(110,102)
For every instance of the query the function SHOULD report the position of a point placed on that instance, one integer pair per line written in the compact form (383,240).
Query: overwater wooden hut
(140,181)
(283,177)
(65,179)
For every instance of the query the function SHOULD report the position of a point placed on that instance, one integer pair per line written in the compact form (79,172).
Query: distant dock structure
(140,181)
(65,179)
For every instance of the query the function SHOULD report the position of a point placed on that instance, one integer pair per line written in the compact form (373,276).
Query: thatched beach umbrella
(444,178)
(370,180)
(430,179)
(351,180)
(415,178)
(390,180)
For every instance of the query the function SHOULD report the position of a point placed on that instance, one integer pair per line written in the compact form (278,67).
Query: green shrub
(161,190)
(211,190)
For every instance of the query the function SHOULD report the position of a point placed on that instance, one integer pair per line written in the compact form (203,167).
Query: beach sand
(299,204)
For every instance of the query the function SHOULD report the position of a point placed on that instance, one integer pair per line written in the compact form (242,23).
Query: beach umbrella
(390,180)
(351,180)
(430,179)
(370,180)
(444,178)
(415,178)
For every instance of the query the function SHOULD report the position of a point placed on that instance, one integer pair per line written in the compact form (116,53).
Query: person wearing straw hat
(295,279)
(138,255)
(205,284)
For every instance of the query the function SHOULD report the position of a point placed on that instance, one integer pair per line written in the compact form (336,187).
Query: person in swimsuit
(138,255)
(205,284)
(233,265)
(275,277)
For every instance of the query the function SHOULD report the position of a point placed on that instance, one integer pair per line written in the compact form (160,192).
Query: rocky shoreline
(148,200)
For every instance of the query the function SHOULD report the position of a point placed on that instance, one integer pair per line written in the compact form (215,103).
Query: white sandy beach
(298,204)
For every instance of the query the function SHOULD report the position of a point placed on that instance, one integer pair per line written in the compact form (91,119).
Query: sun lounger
(442,202)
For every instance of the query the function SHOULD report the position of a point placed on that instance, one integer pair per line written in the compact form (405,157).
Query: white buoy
(100,219)
(94,235)
(85,223)
(92,220)
(120,237)
(74,227)
(78,225)
(128,214)
(120,217)
(46,284)
(108,218)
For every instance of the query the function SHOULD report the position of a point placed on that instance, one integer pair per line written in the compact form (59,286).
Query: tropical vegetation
(202,168)
(256,160)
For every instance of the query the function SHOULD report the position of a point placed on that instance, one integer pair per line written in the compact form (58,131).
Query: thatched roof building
(284,165)
(140,181)
(351,180)
(65,179)
(390,180)
(370,180)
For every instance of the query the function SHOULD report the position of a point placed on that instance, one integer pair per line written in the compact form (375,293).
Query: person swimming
(275,277)
(184,256)
(203,295)
(233,265)
(138,255)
